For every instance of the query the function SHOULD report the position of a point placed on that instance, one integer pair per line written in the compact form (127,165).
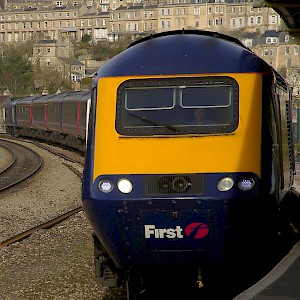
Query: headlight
(246,184)
(124,186)
(225,184)
(105,186)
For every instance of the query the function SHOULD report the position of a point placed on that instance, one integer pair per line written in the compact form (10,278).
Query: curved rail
(11,162)
(45,225)
(27,163)
(54,221)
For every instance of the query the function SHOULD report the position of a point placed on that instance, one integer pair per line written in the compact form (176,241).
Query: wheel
(134,285)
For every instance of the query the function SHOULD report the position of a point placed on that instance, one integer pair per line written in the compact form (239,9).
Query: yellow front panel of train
(238,151)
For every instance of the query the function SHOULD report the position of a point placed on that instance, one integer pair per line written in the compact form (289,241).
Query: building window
(288,62)
(286,38)
(258,20)
(287,50)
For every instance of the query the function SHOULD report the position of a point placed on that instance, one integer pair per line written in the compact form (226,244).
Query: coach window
(177,106)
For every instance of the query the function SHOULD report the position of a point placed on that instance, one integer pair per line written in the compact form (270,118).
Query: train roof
(26,100)
(78,96)
(43,99)
(10,101)
(184,52)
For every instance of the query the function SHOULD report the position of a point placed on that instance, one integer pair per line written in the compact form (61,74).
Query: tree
(16,70)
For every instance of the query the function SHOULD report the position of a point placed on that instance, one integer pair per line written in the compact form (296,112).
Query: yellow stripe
(236,152)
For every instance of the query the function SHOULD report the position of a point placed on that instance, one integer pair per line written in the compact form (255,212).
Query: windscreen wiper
(151,122)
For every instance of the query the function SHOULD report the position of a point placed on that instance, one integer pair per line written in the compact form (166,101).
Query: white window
(273,19)
(197,11)
(286,38)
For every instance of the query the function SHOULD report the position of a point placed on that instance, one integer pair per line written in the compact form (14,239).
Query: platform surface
(283,281)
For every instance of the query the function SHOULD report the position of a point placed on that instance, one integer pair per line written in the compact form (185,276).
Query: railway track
(45,225)
(20,161)
(24,164)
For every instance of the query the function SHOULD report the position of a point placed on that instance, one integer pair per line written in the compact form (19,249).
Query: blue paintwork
(186,53)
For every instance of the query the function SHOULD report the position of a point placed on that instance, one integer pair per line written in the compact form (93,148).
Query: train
(178,203)
(59,118)
(189,160)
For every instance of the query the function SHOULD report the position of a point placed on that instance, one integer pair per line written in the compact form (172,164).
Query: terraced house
(258,27)
(22,20)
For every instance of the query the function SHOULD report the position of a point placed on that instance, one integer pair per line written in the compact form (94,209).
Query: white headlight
(225,184)
(246,184)
(124,186)
(105,186)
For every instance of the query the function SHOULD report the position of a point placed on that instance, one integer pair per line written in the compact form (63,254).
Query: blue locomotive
(166,194)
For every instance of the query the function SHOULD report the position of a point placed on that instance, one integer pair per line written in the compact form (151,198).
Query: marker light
(246,184)
(225,184)
(124,186)
(105,186)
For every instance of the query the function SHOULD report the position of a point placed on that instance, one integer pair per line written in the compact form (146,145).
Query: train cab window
(177,106)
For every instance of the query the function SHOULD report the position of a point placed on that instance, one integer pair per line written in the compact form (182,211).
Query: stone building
(259,27)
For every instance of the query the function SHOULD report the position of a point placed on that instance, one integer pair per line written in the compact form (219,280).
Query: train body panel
(10,114)
(39,113)
(24,111)
(54,112)
(73,112)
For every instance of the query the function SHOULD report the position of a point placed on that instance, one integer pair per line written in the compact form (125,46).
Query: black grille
(174,184)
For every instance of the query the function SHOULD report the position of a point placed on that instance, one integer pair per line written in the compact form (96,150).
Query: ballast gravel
(55,263)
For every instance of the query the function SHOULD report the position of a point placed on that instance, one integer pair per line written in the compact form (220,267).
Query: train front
(174,138)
